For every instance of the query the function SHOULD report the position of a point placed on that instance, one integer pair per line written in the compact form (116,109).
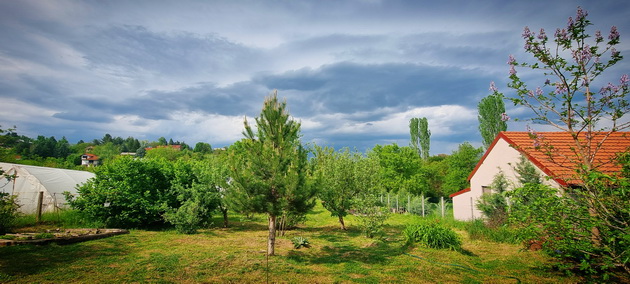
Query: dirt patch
(62,237)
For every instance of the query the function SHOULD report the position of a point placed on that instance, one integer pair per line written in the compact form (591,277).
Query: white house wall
(501,158)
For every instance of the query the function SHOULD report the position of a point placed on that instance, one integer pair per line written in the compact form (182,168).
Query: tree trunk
(271,244)
(225,217)
(343,225)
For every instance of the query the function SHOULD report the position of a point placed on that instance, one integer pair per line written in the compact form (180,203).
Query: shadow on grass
(19,261)
(344,253)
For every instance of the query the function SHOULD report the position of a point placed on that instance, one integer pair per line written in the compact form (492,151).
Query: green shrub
(8,212)
(371,216)
(432,234)
(128,193)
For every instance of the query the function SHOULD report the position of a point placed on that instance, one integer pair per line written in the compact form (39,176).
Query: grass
(237,254)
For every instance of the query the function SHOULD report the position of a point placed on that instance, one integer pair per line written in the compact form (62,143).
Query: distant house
(557,167)
(89,160)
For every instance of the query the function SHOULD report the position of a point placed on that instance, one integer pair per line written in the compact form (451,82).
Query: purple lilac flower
(511,60)
(493,88)
(505,117)
(542,35)
(580,14)
(614,52)
(560,89)
(512,70)
(598,36)
(561,34)
(586,53)
(614,34)
(526,32)
(624,79)
(539,91)
(570,23)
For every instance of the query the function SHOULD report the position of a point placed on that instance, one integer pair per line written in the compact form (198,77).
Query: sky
(352,72)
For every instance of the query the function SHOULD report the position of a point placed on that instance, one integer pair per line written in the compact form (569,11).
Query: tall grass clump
(478,230)
(433,235)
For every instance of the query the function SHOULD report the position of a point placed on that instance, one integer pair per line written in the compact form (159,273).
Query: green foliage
(300,241)
(202,147)
(420,136)
(400,169)
(371,216)
(526,172)
(494,205)
(8,211)
(491,117)
(563,223)
(433,235)
(460,163)
(128,193)
(340,177)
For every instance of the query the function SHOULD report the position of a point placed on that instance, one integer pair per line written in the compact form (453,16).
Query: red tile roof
(555,154)
(459,192)
(91,157)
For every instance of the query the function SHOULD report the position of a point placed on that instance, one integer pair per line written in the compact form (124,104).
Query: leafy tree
(162,141)
(202,147)
(401,169)
(460,163)
(128,193)
(492,117)
(420,136)
(572,65)
(338,180)
(271,173)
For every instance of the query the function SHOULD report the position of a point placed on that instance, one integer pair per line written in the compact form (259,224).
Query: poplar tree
(270,172)
(492,117)
(420,136)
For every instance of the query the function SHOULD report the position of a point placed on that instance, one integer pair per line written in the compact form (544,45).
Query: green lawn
(237,255)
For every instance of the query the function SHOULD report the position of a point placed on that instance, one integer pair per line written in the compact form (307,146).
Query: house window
(486,190)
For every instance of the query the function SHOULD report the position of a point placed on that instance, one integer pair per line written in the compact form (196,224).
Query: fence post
(422,197)
(389,206)
(443,205)
(408,203)
(40,200)
(397,203)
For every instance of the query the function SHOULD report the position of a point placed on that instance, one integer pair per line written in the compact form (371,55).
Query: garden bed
(58,236)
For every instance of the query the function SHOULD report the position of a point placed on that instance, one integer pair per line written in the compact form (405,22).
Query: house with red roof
(553,154)
(90,160)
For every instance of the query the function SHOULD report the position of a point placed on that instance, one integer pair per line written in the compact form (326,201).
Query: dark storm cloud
(135,48)
(350,87)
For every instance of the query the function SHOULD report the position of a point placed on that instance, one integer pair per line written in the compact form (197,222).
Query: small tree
(271,172)
(492,117)
(494,205)
(337,180)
